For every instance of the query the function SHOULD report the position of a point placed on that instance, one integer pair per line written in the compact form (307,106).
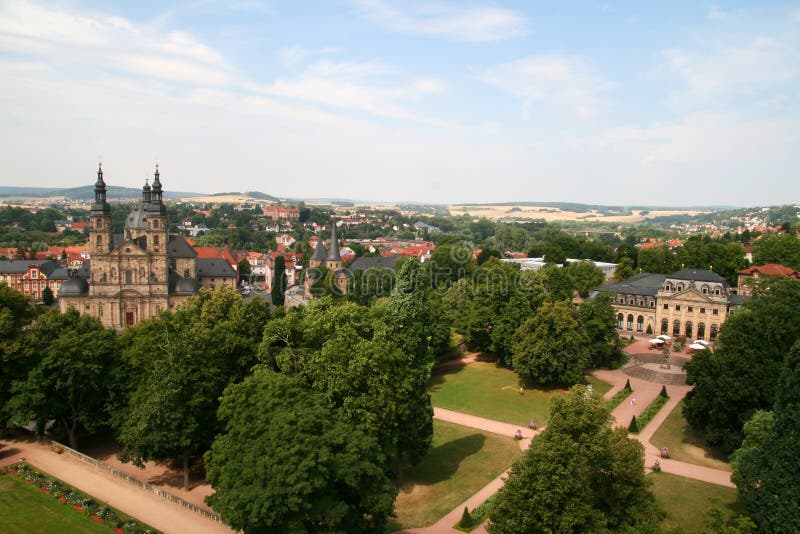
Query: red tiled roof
(771,269)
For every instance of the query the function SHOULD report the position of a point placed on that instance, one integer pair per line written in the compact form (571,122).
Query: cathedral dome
(137,218)
(73,287)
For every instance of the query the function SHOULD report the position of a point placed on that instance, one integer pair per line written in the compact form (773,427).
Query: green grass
(24,508)
(461,461)
(685,444)
(487,390)
(685,500)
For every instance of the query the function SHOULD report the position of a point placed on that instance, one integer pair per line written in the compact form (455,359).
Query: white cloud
(716,13)
(452,21)
(745,69)
(295,55)
(560,80)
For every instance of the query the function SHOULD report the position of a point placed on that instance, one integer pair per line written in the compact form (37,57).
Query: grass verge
(685,444)
(685,501)
(461,461)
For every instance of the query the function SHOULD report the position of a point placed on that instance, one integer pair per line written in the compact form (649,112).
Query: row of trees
(746,399)
(527,320)
(306,417)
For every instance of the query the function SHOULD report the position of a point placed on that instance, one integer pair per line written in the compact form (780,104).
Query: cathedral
(134,275)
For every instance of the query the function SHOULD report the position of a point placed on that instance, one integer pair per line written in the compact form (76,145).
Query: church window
(186,273)
(155,240)
(128,276)
(99,240)
(103,278)
(113,273)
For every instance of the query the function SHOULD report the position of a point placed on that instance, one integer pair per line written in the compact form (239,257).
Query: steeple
(100,206)
(318,258)
(146,195)
(334,255)
(155,203)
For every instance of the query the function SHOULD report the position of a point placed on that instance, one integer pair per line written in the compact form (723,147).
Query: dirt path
(137,502)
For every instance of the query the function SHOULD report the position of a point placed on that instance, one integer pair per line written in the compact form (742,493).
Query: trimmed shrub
(663,392)
(633,427)
(466,519)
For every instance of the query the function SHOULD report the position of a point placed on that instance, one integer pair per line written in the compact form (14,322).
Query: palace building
(134,275)
(690,302)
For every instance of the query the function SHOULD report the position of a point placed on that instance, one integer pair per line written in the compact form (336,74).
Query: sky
(676,103)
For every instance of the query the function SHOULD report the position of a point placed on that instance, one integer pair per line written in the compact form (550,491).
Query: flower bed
(78,501)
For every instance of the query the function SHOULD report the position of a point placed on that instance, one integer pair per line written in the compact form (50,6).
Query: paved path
(137,502)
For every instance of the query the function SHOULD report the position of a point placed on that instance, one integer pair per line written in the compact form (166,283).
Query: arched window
(630,321)
(701,331)
(155,240)
(676,328)
(99,240)
(640,323)
(688,329)
(664,326)
(128,276)
(714,330)
(620,317)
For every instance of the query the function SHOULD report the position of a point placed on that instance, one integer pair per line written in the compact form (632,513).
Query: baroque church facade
(326,264)
(134,275)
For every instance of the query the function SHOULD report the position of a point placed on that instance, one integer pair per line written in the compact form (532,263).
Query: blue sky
(669,103)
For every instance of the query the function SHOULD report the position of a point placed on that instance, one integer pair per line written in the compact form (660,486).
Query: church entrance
(128,318)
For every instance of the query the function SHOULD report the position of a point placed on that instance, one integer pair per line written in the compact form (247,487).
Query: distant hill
(578,208)
(83,193)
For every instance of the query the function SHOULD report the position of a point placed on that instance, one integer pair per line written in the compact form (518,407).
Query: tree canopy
(740,375)
(289,462)
(579,475)
(551,347)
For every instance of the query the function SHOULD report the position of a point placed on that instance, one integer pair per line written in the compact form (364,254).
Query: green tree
(598,321)
(765,467)
(278,290)
(47,296)
(740,375)
(579,475)
(244,266)
(71,378)
(288,462)
(586,276)
(16,314)
(183,361)
(624,269)
(551,347)
(783,249)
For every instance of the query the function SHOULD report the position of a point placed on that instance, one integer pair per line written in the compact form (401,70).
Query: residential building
(31,277)
(749,277)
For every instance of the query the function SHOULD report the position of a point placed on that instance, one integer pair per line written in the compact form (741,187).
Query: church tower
(334,260)
(100,229)
(157,230)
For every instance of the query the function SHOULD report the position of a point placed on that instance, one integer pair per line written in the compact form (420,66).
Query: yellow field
(556,214)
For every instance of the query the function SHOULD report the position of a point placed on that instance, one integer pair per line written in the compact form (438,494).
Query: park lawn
(461,461)
(684,444)
(685,501)
(24,508)
(488,390)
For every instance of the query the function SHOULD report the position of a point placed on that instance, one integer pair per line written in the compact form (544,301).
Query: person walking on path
(633,401)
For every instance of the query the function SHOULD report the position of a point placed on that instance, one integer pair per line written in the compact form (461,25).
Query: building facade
(134,275)
(750,277)
(691,302)
(31,277)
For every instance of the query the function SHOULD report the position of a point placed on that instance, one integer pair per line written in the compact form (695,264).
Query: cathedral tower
(100,229)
